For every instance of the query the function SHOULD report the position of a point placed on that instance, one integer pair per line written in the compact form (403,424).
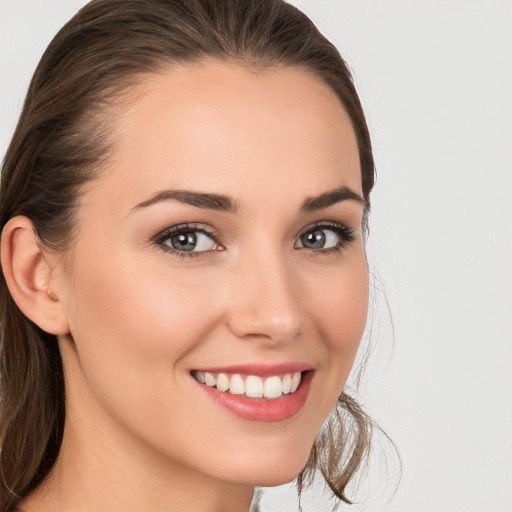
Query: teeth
(295,382)
(237,386)
(287,383)
(222,382)
(273,388)
(209,379)
(253,386)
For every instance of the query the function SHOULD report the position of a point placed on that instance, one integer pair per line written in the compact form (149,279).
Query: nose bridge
(267,299)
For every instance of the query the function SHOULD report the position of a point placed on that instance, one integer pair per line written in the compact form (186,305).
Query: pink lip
(261,370)
(261,409)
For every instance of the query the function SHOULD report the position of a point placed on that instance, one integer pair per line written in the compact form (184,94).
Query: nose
(266,301)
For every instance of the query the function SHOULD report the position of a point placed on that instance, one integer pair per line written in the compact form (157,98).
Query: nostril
(269,328)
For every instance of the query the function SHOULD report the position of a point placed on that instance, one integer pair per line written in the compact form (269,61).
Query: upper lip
(261,370)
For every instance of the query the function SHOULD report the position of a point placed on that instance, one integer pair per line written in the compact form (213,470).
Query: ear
(32,276)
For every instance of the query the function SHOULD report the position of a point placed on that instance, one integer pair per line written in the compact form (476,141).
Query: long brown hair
(59,144)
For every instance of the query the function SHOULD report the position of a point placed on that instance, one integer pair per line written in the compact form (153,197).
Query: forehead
(220,127)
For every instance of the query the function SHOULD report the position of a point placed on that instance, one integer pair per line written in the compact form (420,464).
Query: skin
(140,434)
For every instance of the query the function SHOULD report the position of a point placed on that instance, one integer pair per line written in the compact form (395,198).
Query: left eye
(324,237)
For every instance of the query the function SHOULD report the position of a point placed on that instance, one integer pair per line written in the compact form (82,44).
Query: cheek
(339,311)
(133,329)
(133,326)
(336,305)
(135,305)
(341,308)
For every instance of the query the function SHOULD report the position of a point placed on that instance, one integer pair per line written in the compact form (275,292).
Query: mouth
(265,394)
(252,386)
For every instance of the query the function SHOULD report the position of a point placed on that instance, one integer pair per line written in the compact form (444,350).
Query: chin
(277,479)
(271,471)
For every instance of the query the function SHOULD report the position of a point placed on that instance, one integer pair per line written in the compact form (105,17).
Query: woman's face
(222,243)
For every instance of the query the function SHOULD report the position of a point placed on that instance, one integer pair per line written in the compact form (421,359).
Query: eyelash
(184,229)
(345,235)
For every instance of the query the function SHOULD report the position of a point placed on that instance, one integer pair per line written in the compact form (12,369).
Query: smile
(258,392)
(251,386)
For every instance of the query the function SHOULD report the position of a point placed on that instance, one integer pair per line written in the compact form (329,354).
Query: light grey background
(435,79)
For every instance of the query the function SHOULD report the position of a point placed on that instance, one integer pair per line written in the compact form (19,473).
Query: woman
(183,205)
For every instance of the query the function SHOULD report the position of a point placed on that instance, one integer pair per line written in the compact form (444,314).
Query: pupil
(314,239)
(184,242)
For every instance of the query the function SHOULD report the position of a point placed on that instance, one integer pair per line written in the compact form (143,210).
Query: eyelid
(186,227)
(328,224)
(345,233)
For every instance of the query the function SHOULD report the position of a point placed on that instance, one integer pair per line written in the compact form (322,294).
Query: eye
(324,237)
(188,240)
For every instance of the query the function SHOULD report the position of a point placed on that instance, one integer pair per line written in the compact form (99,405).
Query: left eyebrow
(331,197)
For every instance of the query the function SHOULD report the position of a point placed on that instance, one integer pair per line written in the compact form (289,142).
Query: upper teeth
(253,386)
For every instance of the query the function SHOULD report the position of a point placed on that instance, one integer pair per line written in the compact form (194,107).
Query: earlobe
(31,278)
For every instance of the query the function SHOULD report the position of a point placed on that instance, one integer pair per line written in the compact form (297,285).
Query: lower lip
(263,409)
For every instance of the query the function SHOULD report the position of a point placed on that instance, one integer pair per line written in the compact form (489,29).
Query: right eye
(186,240)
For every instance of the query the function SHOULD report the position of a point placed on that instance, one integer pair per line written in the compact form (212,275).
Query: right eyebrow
(211,201)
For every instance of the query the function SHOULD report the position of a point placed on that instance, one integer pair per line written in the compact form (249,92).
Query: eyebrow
(330,198)
(210,201)
(223,203)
